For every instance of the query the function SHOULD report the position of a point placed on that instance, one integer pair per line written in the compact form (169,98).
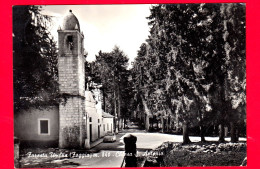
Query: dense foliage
(191,70)
(110,71)
(34,59)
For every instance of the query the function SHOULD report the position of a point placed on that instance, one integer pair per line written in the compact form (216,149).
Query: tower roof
(70,22)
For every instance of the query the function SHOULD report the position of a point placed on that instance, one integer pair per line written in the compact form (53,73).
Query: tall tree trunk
(152,124)
(139,116)
(147,122)
(162,121)
(233,132)
(237,132)
(202,133)
(221,133)
(116,119)
(115,107)
(144,120)
(119,109)
(104,101)
(202,128)
(147,114)
(185,128)
(170,125)
(167,124)
(124,122)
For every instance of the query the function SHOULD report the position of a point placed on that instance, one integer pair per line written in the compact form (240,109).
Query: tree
(229,39)
(110,70)
(186,65)
(174,30)
(35,59)
(234,47)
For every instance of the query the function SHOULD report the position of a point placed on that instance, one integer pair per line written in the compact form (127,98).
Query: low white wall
(26,124)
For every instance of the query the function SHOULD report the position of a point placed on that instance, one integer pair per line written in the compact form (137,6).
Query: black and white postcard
(138,85)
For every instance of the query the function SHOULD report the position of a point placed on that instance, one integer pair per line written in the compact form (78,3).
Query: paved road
(119,144)
(147,141)
(107,155)
(104,155)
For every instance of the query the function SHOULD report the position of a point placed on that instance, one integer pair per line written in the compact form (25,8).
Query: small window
(70,42)
(70,39)
(90,119)
(107,126)
(44,128)
(104,126)
(98,121)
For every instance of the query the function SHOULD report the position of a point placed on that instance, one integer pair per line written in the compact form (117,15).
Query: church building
(78,120)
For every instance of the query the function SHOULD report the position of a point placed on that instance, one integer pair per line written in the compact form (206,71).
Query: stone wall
(72,123)
(68,75)
(81,72)
(71,65)
(71,75)
(71,68)
(26,124)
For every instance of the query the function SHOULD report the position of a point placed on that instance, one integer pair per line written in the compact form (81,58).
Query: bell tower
(71,68)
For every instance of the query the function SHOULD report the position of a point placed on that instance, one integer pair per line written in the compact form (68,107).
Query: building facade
(38,127)
(78,120)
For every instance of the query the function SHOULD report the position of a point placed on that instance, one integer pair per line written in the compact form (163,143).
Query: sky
(105,26)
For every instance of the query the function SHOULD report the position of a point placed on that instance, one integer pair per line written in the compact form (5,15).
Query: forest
(189,74)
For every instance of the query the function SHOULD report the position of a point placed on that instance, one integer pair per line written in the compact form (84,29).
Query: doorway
(90,132)
(98,131)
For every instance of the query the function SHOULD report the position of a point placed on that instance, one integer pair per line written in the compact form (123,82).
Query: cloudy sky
(105,26)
